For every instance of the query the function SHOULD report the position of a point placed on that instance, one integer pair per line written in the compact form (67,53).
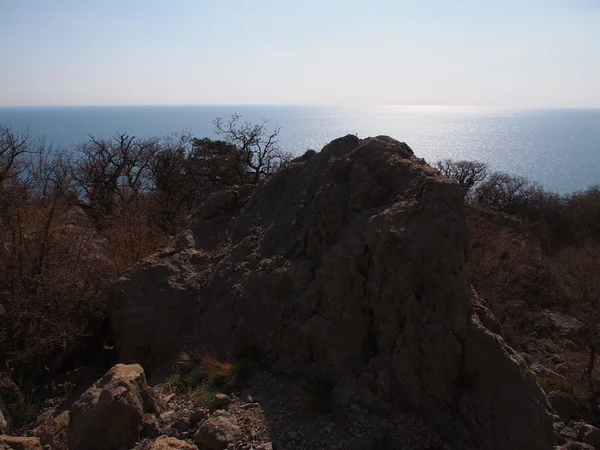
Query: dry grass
(199,376)
(219,374)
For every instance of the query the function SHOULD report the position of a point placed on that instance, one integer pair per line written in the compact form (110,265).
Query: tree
(218,164)
(258,150)
(507,193)
(468,174)
(13,146)
(186,170)
(112,171)
(48,303)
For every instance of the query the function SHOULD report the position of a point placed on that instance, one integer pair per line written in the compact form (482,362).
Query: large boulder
(559,326)
(218,432)
(109,415)
(346,265)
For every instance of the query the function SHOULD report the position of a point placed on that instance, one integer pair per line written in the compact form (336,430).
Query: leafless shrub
(71,222)
(258,149)
(113,172)
(503,192)
(48,302)
(580,269)
(468,174)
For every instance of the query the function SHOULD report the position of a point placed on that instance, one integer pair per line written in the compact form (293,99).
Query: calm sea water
(560,149)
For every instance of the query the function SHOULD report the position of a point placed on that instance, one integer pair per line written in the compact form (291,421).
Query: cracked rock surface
(347,265)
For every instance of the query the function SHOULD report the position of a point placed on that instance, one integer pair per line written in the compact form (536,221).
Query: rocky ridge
(347,265)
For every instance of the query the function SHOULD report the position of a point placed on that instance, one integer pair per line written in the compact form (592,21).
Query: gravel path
(271,415)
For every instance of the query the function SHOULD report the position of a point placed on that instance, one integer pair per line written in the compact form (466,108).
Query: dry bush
(130,236)
(71,222)
(56,259)
(221,374)
(497,258)
(580,269)
(50,285)
(509,268)
(507,193)
(224,374)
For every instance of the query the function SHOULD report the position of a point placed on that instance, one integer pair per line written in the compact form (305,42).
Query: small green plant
(202,395)
(23,409)
(177,382)
(200,392)
(315,394)
(549,385)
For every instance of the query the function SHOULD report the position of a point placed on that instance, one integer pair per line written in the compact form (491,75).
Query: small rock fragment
(198,416)
(150,426)
(182,424)
(220,401)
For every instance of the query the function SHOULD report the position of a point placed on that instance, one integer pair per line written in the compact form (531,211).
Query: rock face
(559,326)
(346,265)
(109,415)
(564,406)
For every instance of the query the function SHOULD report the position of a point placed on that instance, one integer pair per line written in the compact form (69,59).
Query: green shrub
(23,409)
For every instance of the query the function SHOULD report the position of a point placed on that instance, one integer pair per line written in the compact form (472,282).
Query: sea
(557,148)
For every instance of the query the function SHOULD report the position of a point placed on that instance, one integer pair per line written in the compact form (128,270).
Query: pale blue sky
(509,53)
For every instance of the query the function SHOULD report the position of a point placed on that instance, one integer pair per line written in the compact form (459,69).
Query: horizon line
(315,105)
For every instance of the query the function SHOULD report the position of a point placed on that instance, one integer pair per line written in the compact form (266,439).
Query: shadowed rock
(19,443)
(109,415)
(346,265)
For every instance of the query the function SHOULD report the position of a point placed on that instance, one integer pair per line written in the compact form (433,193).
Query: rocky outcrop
(109,415)
(346,265)
(564,405)
(19,443)
(578,435)
(559,326)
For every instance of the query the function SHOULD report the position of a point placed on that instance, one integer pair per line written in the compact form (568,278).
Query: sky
(506,53)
